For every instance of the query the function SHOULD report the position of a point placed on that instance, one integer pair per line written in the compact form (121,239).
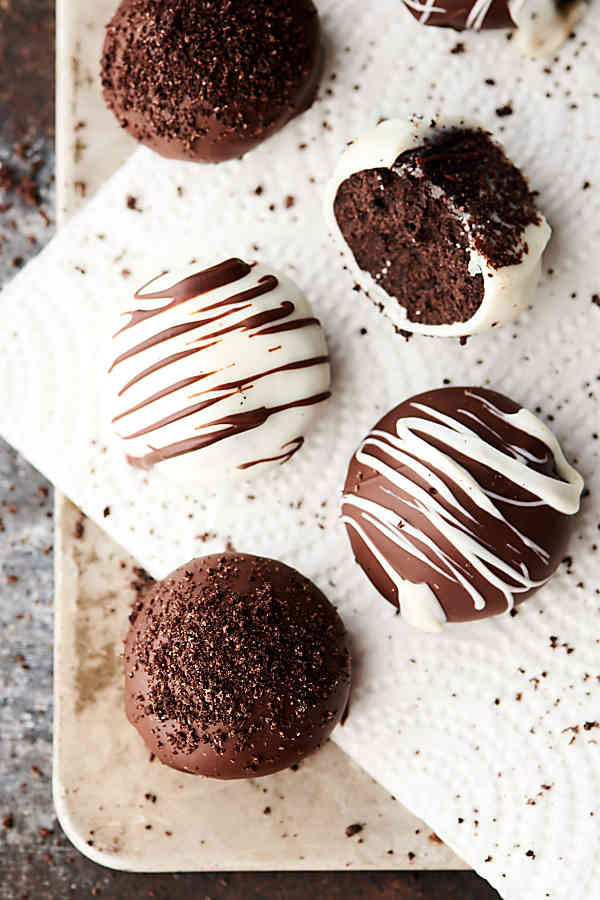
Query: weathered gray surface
(26,527)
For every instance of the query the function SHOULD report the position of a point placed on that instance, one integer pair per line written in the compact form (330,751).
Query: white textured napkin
(488,731)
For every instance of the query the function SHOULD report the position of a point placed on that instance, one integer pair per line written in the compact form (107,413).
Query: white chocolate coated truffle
(217,373)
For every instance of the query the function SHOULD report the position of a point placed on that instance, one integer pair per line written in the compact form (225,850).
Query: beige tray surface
(104,782)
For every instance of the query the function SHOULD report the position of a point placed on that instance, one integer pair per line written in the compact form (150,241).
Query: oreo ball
(204,81)
(236,666)
(459,505)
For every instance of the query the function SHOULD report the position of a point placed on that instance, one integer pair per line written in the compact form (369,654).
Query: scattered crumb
(79,529)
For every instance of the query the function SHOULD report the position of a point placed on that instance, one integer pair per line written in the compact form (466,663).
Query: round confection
(218,373)
(204,81)
(542,25)
(236,666)
(459,505)
(437,226)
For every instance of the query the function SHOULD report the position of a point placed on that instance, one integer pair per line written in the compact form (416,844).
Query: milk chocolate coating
(455,13)
(488,14)
(426,521)
(236,666)
(206,82)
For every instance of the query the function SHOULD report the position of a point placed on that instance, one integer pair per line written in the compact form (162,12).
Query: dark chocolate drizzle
(294,445)
(166,335)
(232,387)
(176,416)
(162,363)
(200,283)
(237,422)
(185,382)
(288,367)
(287,326)
(285,309)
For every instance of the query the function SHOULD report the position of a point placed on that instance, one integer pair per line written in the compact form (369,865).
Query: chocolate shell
(541,25)
(459,505)
(206,82)
(236,666)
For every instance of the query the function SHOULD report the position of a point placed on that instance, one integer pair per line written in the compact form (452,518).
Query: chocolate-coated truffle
(217,373)
(458,505)
(542,25)
(236,666)
(205,81)
(438,226)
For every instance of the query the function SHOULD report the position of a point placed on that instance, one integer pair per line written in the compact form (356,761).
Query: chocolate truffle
(542,25)
(217,373)
(236,666)
(458,505)
(437,226)
(205,81)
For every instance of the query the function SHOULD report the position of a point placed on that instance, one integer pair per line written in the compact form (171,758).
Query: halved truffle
(458,505)
(236,666)
(438,226)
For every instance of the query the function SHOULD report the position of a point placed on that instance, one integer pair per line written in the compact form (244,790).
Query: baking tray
(116,805)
